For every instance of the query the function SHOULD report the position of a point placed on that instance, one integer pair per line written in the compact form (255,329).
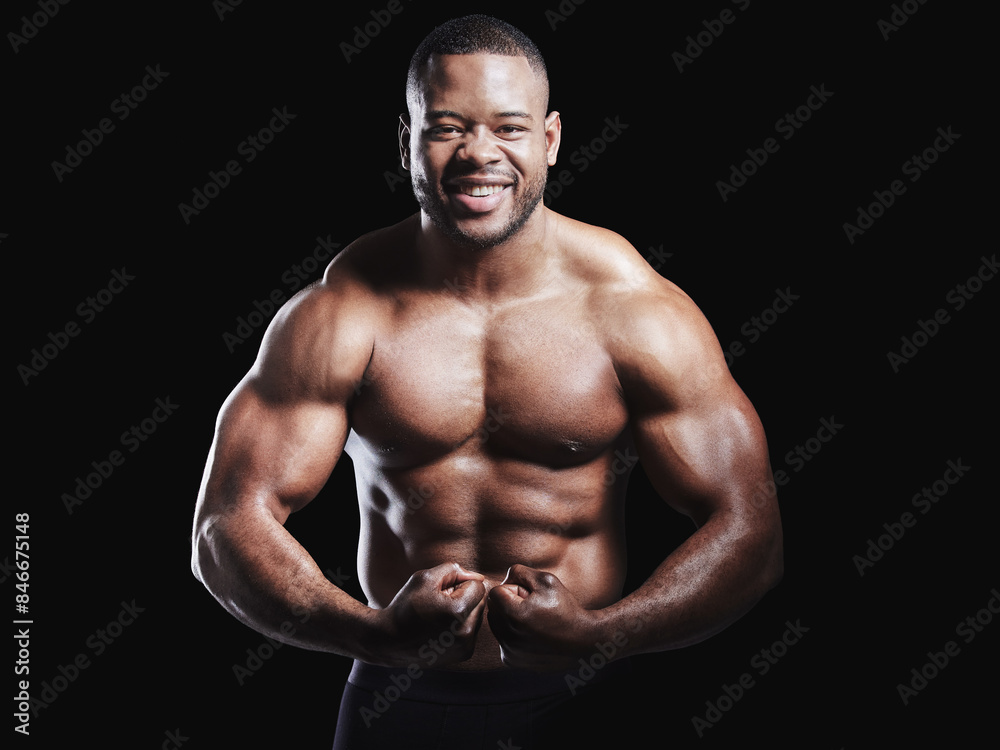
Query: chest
(533,383)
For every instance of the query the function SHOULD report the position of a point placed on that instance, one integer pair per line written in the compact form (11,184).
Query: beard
(435,206)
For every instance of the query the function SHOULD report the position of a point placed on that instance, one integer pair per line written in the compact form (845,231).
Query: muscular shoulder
(660,342)
(606,262)
(320,342)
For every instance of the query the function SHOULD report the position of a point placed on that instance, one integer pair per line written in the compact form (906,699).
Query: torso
(490,436)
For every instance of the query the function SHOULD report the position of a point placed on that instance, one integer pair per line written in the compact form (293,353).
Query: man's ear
(553,136)
(404,141)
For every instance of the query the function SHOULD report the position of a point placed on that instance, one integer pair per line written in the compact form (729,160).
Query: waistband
(481,688)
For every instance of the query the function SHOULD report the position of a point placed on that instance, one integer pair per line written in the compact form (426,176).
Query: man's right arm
(278,437)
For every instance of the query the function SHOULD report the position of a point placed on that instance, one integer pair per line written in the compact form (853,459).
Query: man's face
(478,145)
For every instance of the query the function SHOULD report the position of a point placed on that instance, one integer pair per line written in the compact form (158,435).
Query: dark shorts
(495,710)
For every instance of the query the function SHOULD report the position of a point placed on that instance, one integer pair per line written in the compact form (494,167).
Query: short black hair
(475,34)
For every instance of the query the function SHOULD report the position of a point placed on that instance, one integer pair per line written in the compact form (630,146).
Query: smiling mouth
(480,191)
(477,196)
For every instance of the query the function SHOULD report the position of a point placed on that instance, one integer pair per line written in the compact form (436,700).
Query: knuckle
(424,576)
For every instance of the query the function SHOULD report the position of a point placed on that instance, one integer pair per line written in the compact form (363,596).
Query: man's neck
(515,269)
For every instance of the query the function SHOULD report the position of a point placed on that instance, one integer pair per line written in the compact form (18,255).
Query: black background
(325,175)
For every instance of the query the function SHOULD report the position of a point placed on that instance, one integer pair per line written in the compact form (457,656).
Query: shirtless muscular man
(502,358)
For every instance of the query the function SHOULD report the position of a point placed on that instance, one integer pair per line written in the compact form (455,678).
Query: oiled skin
(493,403)
(484,435)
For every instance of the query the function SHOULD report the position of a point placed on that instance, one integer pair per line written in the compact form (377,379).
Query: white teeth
(481,190)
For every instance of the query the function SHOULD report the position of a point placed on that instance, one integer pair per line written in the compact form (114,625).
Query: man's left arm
(703,448)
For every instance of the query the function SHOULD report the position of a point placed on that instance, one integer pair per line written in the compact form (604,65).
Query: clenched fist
(540,625)
(433,619)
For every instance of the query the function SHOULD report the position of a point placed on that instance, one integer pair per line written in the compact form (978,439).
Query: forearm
(267,580)
(706,584)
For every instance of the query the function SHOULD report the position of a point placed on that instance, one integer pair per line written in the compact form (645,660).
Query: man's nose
(479,147)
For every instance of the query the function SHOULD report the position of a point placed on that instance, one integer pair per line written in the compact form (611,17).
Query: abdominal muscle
(581,541)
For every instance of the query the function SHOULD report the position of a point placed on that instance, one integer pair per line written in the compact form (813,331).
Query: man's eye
(510,129)
(444,130)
